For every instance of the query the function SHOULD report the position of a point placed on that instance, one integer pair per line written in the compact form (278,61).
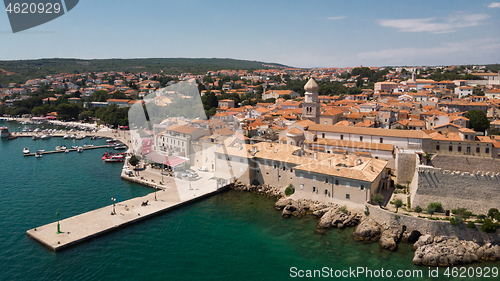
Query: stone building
(311,109)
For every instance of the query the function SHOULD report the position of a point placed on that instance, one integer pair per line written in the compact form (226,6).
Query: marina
(79,149)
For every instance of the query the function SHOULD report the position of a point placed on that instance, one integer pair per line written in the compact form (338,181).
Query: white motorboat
(63,147)
(46,137)
(35,137)
(38,154)
(4,131)
(67,136)
(79,149)
(58,148)
(26,150)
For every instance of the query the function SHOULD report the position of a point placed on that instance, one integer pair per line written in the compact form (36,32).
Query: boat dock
(69,149)
(89,225)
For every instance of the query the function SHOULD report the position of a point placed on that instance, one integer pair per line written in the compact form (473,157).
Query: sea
(230,236)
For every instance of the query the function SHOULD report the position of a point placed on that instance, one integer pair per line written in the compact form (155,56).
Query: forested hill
(21,70)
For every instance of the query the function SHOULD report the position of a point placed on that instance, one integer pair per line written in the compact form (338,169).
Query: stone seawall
(478,192)
(430,227)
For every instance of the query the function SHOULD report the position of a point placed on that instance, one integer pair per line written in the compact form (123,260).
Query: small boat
(41,150)
(73,136)
(74,146)
(120,147)
(58,148)
(4,132)
(110,140)
(112,157)
(67,136)
(63,147)
(35,137)
(79,149)
(80,137)
(38,154)
(46,137)
(26,150)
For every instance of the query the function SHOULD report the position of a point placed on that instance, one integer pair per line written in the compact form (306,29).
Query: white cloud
(337,18)
(449,52)
(435,25)
(494,5)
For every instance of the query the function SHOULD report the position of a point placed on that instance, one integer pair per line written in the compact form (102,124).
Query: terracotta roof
(355,144)
(369,131)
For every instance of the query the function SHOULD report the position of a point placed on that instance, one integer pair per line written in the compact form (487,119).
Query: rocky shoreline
(429,250)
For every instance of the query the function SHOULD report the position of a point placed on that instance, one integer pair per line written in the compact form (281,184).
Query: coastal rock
(283,202)
(336,218)
(447,252)
(390,237)
(320,213)
(489,252)
(292,210)
(369,230)
(423,240)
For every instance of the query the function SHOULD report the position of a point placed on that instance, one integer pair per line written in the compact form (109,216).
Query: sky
(326,33)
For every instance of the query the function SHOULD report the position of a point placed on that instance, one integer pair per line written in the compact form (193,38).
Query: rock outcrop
(259,189)
(390,238)
(444,251)
(300,207)
(368,230)
(336,218)
(488,252)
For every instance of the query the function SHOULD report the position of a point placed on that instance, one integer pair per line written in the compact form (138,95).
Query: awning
(175,161)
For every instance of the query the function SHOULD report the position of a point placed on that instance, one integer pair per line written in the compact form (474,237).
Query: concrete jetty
(89,225)
(69,149)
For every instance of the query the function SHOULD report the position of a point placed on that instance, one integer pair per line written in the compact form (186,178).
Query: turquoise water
(234,235)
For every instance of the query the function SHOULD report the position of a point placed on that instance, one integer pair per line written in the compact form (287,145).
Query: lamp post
(58,226)
(114,200)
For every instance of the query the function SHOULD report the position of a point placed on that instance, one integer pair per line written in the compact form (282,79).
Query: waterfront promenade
(171,193)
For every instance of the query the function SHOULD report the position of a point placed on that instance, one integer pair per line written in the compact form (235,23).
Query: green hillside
(21,70)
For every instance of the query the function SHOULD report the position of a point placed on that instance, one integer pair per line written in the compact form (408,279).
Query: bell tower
(311,109)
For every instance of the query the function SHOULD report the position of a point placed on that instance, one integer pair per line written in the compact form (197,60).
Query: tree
(493,212)
(478,120)
(378,199)
(418,209)
(397,203)
(430,209)
(489,226)
(133,161)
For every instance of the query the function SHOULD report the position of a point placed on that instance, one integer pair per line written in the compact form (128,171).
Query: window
(487,150)
(437,147)
(336,182)
(314,189)
(323,135)
(360,138)
(450,148)
(325,122)
(341,137)
(326,180)
(459,149)
(326,191)
(347,196)
(466,137)
(362,187)
(381,140)
(478,149)
(468,149)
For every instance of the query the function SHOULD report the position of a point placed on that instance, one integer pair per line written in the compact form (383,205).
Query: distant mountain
(21,70)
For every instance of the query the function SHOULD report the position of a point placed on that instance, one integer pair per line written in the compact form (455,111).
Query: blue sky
(296,33)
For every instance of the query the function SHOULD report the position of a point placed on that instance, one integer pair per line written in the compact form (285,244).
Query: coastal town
(341,143)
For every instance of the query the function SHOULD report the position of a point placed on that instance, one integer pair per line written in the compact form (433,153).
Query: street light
(58,226)
(114,200)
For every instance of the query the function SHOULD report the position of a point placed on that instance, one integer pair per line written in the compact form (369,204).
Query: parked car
(203,169)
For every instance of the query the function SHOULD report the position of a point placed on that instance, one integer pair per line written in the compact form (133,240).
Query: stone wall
(478,192)
(405,166)
(434,228)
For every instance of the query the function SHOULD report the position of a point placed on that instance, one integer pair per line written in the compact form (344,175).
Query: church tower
(311,109)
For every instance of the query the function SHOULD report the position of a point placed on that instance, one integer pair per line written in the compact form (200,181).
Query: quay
(170,194)
(89,225)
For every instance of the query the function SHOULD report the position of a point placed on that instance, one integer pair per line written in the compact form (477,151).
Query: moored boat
(4,132)
(46,137)
(26,150)
(112,157)
(35,137)
(79,149)
(38,154)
